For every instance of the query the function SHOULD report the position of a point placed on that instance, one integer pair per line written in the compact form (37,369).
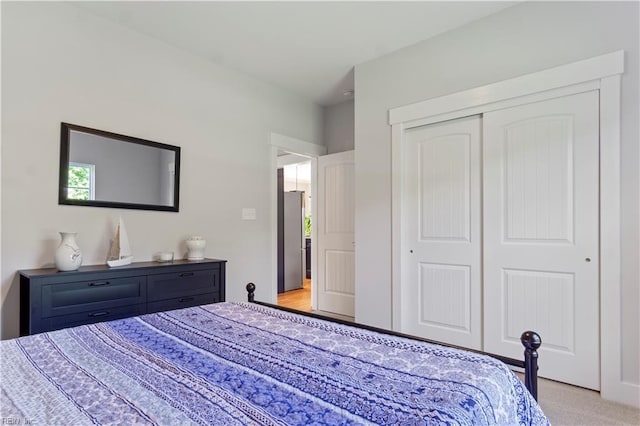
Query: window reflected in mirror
(80,183)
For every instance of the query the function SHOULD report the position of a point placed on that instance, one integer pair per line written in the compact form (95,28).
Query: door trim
(602,73)
(587,70)
(301,148)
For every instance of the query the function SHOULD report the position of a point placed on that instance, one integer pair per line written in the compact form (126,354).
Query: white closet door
(441,283)
(334,229)
(541,234)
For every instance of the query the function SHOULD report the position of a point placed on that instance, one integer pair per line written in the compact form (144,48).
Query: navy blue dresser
(50,300)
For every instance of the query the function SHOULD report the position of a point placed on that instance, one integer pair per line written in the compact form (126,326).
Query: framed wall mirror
(104,169)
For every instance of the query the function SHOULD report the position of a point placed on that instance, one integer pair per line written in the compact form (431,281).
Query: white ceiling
(309,48)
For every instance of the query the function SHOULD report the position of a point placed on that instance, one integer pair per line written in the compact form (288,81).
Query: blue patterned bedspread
(240,364)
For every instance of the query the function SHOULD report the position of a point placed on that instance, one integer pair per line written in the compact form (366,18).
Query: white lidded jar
(68,256)
(195,248)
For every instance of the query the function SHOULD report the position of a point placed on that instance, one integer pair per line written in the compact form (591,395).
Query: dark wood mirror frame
(65,149)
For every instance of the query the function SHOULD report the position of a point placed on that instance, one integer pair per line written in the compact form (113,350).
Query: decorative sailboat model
(120,253)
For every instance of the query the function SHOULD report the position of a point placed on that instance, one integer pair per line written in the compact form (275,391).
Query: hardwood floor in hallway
(297,299)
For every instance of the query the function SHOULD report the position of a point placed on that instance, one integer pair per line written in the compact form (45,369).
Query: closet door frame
(602,73)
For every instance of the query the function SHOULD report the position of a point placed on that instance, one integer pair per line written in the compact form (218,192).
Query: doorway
(286,150)
(294,231)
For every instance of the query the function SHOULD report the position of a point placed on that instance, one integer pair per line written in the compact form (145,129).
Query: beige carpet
(570,405)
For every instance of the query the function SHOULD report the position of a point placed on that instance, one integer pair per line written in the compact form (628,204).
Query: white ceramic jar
(68,256)
(195,248)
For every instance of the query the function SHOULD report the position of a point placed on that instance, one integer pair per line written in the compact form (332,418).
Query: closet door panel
(540,187)
(442,269)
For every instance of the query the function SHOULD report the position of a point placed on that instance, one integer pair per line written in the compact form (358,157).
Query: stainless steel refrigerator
(292,234)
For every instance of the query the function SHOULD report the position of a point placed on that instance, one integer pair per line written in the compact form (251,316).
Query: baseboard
(622,392)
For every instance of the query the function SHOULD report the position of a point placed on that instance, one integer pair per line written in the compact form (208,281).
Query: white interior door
(442,272)
(334,229)
(541,234)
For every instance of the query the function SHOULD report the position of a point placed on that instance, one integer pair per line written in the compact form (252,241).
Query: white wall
(519,40)
(60,63)
(338,127)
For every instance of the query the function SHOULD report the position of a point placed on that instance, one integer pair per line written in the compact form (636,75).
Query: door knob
(588,259)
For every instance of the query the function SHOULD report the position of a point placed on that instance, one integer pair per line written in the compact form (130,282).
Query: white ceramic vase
(68,256)
(195,248)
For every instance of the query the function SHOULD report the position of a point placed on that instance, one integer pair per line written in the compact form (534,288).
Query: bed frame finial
(251,289)
(531,341)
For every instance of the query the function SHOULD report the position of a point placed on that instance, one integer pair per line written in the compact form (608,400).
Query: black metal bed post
(531,341)
(251,289)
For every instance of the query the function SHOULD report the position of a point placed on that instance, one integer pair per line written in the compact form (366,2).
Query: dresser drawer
(69,298)
(176,285)
(183,302)
(89,317)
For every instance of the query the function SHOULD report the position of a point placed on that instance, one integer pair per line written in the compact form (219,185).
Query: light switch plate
(248,213)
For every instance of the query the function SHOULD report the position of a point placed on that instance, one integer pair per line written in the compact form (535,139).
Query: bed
(249,363)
